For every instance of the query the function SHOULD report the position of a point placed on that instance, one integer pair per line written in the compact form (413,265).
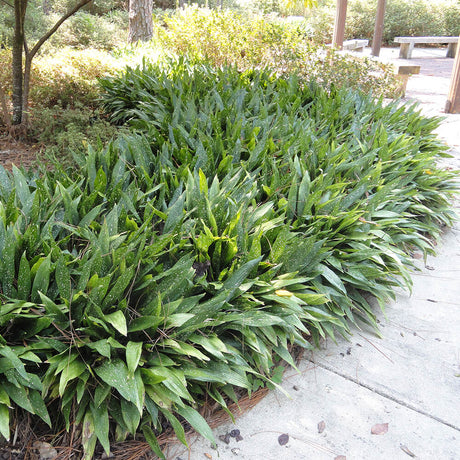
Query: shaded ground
(16,152)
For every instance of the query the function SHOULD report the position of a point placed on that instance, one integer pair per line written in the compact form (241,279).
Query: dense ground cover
(64,107)
(246,213)
(255,201)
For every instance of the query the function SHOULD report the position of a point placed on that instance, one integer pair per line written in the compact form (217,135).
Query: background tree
(22,60)
(140,20)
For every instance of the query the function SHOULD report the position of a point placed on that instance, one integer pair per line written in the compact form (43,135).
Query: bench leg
(405,50)
(401,90)
(451,50)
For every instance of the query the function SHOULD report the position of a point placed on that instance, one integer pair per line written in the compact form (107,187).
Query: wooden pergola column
(453,98)
(339,26)
(378,30)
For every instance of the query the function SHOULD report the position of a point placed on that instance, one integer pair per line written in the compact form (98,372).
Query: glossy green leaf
(153,441)
(118,321)
(101,424)
(5,421)
(197,422)
(133,355)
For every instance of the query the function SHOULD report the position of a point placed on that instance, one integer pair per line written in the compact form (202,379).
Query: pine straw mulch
(27,438)
(18,153)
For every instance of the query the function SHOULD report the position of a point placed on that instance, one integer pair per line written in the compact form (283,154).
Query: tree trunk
(26,88)
(21,76)
(140,21)
(20,7)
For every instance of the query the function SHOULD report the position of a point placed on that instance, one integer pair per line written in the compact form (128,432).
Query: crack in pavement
(382,393)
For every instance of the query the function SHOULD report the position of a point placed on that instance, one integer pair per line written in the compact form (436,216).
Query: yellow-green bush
(226,37)
(67,78)
(70,76)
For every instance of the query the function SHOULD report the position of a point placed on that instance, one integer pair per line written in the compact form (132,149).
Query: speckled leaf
(133,354)
(5,421)
(63,278)
(24,280)
(197,422)
(153,441)
(115,374)
(118,321)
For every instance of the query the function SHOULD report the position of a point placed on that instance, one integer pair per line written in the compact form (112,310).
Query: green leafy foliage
(244,214)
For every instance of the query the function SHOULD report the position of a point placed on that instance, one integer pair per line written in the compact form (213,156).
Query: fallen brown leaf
(45,450)
(225,438)
(283,439)
(321,426)
(208,456)
(380,428)
(340,457)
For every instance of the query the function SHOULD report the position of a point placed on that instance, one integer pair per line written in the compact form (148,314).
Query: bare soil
(18,153)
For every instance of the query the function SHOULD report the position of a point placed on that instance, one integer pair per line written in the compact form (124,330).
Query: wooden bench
(403,72)
(408,43)
(356,44)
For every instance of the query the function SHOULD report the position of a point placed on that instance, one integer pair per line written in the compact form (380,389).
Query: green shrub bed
(244,214)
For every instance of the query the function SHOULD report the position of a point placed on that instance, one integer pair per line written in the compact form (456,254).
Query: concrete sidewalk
(405,386)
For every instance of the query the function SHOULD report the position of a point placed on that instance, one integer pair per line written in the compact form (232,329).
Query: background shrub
(405,18)
(86,30)
(103,25)
(227,37)
(69,77)
(64,132)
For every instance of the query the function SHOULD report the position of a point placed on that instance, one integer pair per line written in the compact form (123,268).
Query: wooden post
(339,26)
(378,30)
(453,98)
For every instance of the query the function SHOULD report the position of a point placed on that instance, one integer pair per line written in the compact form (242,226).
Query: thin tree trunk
(140,21)
(21,76)
(4,105)
(378,30)
(26,88)
(339,27)
(20,7)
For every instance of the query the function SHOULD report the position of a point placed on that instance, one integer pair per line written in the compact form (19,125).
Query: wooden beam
(339,26)
(453,98)
(378,30)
